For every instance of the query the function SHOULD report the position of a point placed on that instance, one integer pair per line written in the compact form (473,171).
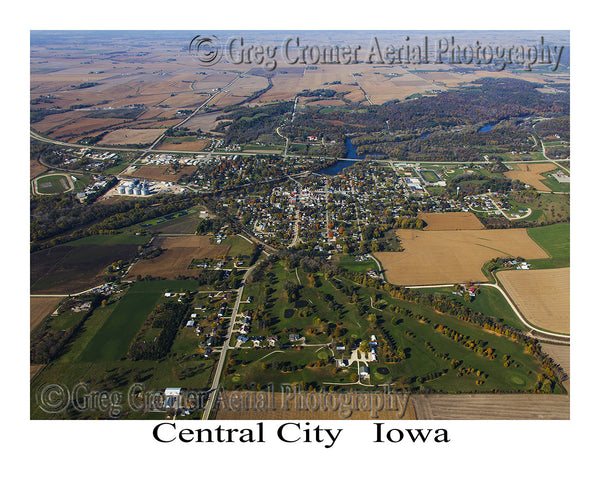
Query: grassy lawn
(247,368)
(425,364)
(554,184)
(238,247)
(349,263)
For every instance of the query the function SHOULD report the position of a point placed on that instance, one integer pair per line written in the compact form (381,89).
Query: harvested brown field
(34,370)
(130,136)
(451,221)
(205,121)
(321,103)
(187,100)
(278,402)
(177,256)
(541,295)
(161,173)
(57,120)
(447,257)
(35,168)
(492,407)
(86,125)
(561,354)
(40,308)
(530,173)
(68,269)
(195,146)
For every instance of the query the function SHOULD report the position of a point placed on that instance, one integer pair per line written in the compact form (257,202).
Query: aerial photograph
(299,225)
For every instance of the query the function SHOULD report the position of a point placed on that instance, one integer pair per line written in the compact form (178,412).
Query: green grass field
(554,184)
(52,184)
(348,306)
(550,208)
(238,246)
(113,338)
(555,240)
(349,263)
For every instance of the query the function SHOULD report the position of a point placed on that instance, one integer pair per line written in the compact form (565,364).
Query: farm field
(439,257)
(491,407)
(34,370)
(68,269)
(530,173)
(541,295)
(555,240)
(451,221)
(40,308)
(130,136)
(35,168)
(112,339)
(204,121)
(177,256)
(183,224)
(185,144)
(161,173)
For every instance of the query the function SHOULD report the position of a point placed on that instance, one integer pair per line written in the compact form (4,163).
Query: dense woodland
(65,218)
(250,123)
(167,317)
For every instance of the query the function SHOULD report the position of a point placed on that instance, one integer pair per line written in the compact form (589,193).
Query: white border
(498,449)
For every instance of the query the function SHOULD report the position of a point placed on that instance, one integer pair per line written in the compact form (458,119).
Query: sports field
(52,184)
(439,257)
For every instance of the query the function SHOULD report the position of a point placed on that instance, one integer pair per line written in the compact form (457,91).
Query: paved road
(217,378)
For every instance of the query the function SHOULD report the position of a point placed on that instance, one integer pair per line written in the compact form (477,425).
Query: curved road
(557,337)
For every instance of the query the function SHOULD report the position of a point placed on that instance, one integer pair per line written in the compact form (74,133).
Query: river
(351,157)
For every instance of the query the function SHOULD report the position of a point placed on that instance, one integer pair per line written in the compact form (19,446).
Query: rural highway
(213,392)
